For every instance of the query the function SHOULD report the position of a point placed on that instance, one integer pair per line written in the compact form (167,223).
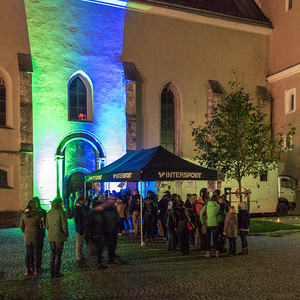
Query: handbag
(189,226)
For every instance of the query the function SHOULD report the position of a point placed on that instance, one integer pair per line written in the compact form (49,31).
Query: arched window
(2,103)
(167,127)
(80,99)
(3,178)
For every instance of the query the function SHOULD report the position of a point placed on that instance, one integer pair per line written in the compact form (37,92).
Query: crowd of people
(202,222)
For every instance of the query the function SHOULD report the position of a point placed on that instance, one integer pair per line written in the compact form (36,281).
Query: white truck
(270,193)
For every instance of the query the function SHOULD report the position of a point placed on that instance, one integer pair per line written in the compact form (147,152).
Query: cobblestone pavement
(270,271)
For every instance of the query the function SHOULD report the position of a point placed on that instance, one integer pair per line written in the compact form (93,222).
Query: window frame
(89,97)
(288,95)
(288,5)
(168,130)
(2,83)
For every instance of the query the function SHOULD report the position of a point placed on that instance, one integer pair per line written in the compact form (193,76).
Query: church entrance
(78,154)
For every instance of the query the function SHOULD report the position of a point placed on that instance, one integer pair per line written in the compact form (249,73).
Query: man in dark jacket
(110,228)
(97,231)
(81,217)
(163,207)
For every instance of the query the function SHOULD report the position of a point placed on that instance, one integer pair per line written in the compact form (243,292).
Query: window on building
(77,100)
(3,178)
(264,177)
(167,127)
(290,101)
(288,5)
(2,103)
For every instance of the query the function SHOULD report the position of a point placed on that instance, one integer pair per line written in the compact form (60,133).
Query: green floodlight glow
(81,48)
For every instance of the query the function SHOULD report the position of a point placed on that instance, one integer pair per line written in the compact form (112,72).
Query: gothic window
(167,129)
(3,178)
(2,103)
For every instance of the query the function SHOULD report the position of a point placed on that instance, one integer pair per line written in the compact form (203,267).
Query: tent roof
(153,164)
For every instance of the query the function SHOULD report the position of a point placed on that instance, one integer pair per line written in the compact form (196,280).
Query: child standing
(230,230)
(244,223)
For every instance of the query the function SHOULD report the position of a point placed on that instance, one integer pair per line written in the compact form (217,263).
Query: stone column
(26,134)
(59,175)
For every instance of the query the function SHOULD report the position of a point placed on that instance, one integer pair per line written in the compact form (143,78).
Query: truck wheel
(282,209)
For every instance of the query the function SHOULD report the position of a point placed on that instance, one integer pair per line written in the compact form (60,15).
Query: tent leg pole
(84,190)
(140,220)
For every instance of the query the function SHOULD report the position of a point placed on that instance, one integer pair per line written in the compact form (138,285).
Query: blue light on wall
(114,3)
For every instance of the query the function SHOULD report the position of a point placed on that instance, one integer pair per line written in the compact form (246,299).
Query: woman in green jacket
(57,226)
(209,216)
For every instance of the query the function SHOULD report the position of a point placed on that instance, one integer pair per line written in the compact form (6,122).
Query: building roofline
(207,13)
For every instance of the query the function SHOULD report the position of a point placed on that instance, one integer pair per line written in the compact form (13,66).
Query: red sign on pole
(244,192)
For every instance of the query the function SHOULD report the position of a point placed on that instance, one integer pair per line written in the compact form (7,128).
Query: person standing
(230,230)
(163,207)
(122,211)
(181,219)
(30,224)
(97,231)
(210,211)
(135,211)
(43,214)
(244,224)
(81,218)
(221,220)
(200,203)
(172,234)
(110,228)
(58,233)
(149,216)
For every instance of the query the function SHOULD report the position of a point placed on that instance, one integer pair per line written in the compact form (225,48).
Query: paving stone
(270,271)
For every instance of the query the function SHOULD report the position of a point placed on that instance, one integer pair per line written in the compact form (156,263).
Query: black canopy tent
(153,164)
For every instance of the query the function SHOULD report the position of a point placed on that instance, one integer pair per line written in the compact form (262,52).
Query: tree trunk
(240,190)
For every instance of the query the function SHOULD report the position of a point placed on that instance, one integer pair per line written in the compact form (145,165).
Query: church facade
(113,76)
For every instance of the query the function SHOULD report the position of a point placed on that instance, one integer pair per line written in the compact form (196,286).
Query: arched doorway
(78,154)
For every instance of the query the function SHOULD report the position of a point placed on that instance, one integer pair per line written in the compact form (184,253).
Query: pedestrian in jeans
(230,230)
(244,224)
(135,211)
(211,210)
(30,224)
(122,211)
(81,218)
(58,233)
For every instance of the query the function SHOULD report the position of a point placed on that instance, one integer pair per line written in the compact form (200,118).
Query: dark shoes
(112,264)
(57,275)
(101,267)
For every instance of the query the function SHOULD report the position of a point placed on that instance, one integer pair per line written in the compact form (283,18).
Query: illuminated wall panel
(66,37)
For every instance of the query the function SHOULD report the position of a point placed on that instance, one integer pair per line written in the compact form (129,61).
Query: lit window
(288,5)
(3,178)
(2,103)
(167,129)
(80,99)
(290,101)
